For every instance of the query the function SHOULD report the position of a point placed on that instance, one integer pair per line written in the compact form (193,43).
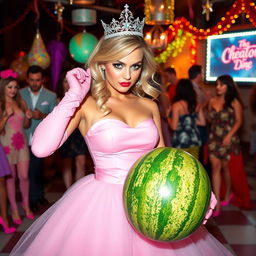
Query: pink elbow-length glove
(212,205)
(51,132)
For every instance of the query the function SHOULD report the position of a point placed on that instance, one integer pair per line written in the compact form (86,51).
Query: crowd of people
(115,115)
(21,110)
(205,123)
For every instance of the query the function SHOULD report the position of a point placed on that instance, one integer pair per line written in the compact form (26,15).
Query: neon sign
(240,55)
(233,54)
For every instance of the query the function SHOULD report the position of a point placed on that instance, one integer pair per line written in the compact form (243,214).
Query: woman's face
(122,74)
(11,89)
(221,88)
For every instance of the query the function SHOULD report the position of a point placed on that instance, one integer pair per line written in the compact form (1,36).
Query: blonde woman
(119,125)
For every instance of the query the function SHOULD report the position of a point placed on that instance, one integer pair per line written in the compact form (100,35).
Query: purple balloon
(58,52)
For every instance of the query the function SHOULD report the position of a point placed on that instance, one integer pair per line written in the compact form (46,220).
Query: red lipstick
(125,84)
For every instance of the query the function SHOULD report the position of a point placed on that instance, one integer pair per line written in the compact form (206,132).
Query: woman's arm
(209,107)
(238,121)
(28,114)
(201,118)
(174,120)
(4,117)
(53,131)
(157,120)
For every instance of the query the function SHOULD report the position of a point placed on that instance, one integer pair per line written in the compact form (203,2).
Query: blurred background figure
(170,79)
(74,147)
(225,117)
(186,115)
(14,117)
(41,102)
(195,74)
(5,171)
(252,150)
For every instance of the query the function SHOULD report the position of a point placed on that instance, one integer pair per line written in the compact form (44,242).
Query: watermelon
(166,194)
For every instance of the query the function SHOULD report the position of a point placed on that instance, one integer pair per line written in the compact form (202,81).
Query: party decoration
(38,54)
(58,52)
(156,38)
(173,48)
(81,46)
(59,8)
(159,12)
(207,9)
(20,66)
(8,73)
(84,17)
(166,194)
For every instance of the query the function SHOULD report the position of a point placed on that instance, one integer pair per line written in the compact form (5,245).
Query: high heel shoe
(215,213)
(7,230)
(28,212)
(225,203)
(17,221)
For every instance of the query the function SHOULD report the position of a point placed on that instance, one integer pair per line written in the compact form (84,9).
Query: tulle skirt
(89,220)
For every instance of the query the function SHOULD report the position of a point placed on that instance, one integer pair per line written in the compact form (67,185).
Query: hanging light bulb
(159,12)
(156,38)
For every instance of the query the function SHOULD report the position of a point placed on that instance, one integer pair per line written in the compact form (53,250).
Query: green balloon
(81,46)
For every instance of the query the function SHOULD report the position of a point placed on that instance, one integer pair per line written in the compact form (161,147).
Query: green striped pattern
(166,194)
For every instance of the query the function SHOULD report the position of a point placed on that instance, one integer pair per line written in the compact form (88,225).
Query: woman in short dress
(14,116)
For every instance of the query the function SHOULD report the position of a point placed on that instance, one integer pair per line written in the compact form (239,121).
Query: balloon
(81,46)
(38,54)
(166,194)
(58,52)
(20,66)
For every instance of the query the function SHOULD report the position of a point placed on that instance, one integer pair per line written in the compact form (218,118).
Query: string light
(160,12)
(173,48)
(225,23)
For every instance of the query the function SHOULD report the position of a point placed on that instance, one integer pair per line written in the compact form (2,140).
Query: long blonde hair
(113,49)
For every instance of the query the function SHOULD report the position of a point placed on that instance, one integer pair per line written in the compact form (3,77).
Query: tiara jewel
(126,26)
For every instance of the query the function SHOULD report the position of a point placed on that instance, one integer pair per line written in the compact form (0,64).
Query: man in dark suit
(41,102)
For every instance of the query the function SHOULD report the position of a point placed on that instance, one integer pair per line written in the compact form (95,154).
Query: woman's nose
(127,74)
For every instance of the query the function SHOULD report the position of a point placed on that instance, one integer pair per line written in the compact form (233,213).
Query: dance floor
(235,228)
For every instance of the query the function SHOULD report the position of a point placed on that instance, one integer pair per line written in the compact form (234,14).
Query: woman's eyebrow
(119,61)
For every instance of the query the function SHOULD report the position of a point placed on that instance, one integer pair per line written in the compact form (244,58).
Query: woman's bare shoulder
(88,102)
(213,99)
(150,103)
(89,108)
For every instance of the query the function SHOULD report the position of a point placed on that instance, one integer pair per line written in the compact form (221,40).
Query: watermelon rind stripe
(147,209)
(166,206)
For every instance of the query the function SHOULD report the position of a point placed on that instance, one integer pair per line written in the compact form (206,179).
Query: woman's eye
(136,66)
(118,65)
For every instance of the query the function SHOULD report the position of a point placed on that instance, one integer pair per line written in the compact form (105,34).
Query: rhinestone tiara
(126,26)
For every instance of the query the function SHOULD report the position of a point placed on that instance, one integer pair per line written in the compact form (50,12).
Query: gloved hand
(213,202)
(51,132)
(79,82)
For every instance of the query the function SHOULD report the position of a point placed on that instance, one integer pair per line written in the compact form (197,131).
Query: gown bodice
(115,146)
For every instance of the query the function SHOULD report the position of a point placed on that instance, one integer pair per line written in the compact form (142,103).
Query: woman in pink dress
(14,116)
(119,126)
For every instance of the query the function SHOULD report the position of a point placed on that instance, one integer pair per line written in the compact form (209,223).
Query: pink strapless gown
(89,219)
